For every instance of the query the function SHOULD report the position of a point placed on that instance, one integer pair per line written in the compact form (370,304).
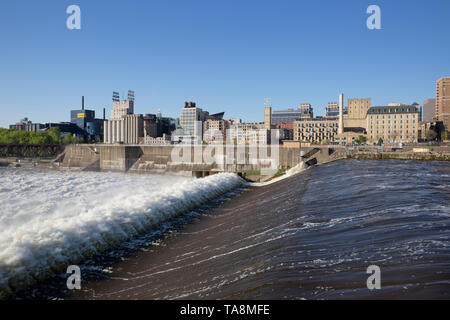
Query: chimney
(82,103)
(104,113)
(341,114)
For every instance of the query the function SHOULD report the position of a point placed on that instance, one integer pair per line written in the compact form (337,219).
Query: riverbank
(401,156)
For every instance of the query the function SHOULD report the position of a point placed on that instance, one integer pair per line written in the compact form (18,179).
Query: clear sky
(225,55)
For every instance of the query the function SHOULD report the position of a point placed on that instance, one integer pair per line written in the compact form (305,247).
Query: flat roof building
(393,123)
(316,130)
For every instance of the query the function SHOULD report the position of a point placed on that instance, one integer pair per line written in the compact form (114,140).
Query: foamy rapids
(50,220)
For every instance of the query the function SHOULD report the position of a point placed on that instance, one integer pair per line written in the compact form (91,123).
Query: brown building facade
(443,101)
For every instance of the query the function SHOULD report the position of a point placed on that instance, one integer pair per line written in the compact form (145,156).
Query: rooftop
(393,109)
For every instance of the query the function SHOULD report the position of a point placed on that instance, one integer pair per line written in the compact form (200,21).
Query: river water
(311,236)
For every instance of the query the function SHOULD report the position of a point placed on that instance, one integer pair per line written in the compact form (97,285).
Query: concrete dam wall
(189,160)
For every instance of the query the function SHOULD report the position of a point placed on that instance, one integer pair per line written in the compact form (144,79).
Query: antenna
(131,95)
(115,96)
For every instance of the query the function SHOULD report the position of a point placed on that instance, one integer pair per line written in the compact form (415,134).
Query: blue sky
(225,55)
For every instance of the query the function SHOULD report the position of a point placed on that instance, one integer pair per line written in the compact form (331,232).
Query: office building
(317,130)
(192,119)
(443,102)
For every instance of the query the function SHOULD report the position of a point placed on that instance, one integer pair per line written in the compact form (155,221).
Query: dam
(192,160)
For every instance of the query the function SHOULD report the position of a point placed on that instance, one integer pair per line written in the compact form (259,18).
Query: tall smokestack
(104,113)
(82,103)
(341,114)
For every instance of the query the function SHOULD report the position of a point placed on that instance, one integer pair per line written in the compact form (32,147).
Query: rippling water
(311,236)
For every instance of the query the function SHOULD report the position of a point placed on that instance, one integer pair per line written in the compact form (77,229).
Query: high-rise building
(191,121)
(429,110)
(123,125)
(443,101)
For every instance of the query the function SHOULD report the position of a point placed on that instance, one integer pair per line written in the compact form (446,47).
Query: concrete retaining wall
(135,158)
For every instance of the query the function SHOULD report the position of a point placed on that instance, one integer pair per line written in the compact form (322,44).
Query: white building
(123,126)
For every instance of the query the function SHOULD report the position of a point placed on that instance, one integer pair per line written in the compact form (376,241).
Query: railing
(30,150)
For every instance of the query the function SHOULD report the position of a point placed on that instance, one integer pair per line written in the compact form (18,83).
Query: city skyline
(289,52)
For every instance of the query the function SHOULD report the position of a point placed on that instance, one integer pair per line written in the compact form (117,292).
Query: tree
(69,139)
(431,135)
(380,142)
(55,135)
(361,140)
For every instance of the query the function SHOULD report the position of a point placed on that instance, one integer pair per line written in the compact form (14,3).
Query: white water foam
(50,219)
(289,173)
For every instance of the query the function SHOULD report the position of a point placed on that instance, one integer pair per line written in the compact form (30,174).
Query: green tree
(362,139)
(68,139)
(55,135)
(380,142)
